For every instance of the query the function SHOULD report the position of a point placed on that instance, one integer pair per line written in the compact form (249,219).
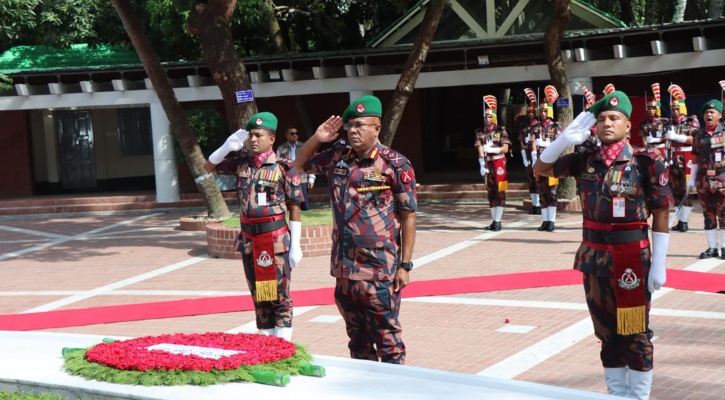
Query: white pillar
(167,178)
(355,94)
(575,85)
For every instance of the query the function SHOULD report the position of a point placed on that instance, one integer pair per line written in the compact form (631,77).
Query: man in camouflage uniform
(526,131)
(652,129)
(708,175)
(267,188)
(679,133)
(492,143)
(620,188)
(373,196)
(548,131)
(289,151)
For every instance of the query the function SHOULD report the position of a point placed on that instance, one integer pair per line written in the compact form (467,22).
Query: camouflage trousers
(633,351)
(678,185)
(713,207)
(531,179)
(272,313)
(547,193)
(496,198)
(370,310)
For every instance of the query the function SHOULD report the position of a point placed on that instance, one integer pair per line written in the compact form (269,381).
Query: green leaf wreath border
(76,364)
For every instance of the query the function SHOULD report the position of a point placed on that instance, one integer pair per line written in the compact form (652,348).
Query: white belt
(657,146)
(683,149)
(496,157)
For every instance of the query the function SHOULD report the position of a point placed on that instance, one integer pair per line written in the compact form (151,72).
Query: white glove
(523,157)
(311,178)
(576,133)
(491,150)
(482,163)
(541,143)
(657,271)
(295,251)
(233,143)
(693,176)
(672,135)
(533,158)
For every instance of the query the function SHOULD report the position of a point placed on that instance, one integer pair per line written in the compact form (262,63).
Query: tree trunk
(649,12)
(714,10)
(211,22)
(275,33)
(679,14)
(627,12)
(206,183)
(552,48)
(412,68)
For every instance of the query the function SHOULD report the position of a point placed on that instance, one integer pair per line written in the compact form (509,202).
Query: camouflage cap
(365,106)
(712,104)
(614,101)
(263,120)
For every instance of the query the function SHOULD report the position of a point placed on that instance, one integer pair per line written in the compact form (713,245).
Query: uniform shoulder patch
(393,157)
(340,144)
(285,162)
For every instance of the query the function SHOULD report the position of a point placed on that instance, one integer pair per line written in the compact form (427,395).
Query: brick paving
(458,333)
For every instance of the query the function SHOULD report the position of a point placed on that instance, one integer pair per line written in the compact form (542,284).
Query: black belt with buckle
(265,227)
(614,237)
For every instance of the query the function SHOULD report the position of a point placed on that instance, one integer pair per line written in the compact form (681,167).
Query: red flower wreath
(134,355)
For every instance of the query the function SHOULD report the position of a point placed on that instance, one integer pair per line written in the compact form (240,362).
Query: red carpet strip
(677,279)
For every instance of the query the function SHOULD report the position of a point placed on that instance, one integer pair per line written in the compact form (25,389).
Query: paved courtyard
(56,263)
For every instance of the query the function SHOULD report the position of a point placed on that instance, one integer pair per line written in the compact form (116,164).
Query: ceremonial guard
(548,131)
(373,196)
(288,150)
(708,175)
(679,152)
(652,129)
(620,188)
(267,188)
(528,130)
(492,143)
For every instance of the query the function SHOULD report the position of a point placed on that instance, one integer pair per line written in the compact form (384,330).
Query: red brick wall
(314,240)
(17,178)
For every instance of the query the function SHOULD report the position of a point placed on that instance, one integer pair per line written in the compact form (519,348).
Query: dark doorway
(75,144)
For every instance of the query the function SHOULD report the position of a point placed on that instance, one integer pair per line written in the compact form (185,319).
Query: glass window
(134,131)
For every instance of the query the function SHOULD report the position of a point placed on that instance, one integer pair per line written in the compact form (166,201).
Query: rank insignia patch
(406,176)
(663,179)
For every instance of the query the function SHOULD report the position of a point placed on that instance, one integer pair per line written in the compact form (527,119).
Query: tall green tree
(205,182)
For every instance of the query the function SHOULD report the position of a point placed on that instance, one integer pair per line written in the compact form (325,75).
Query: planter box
(314,240)
(194,224)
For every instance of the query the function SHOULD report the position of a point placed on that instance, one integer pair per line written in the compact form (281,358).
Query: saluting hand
(327,131)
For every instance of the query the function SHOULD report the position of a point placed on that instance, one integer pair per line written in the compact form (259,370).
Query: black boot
(683,227)
(533,210)
(722,253)
(544,226)
(491,227)
(551,226)
(709,253)
(677,227)
(496,226)
(537,210)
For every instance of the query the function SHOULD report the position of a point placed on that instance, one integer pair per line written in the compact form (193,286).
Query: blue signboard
(245,96)
(562,102)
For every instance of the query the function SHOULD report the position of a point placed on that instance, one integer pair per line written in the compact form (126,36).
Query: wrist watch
(407,265)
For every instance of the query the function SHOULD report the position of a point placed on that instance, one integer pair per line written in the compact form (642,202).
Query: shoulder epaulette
(285,162)
(341,144)
(393,157)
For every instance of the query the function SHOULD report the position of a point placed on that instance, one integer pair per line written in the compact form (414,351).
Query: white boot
(283,332)
(499,214)
(616,379)
(266,332)
(552,214)
(640,384)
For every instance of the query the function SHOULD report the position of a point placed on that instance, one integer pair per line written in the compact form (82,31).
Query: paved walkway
(87,261)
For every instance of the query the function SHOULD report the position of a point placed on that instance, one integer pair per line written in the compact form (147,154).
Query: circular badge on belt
(499,171)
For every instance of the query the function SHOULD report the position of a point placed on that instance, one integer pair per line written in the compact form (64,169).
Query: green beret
(712,104)
(365,106)
(615,101)
(263,120)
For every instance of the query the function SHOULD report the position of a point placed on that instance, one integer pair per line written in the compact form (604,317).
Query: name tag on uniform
(340,171)
(718,156)
(589,177)
(262,199)
(618,207)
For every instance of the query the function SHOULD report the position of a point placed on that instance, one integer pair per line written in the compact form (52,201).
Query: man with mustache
(373,198)
(620,187)
(708,175)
